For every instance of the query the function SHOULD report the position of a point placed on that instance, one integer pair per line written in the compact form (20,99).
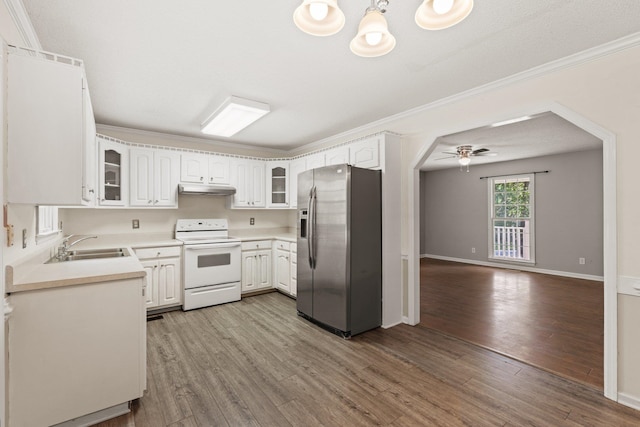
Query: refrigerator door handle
(312,228)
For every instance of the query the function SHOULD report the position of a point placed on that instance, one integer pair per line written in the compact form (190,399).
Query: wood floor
(552,322)
(256,363)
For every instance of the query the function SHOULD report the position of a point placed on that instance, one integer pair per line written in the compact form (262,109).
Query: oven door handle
(211,246)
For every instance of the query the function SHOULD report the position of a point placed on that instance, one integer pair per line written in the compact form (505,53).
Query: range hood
(206,189)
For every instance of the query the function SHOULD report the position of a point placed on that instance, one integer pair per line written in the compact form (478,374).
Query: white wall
(118,221)
(604,91)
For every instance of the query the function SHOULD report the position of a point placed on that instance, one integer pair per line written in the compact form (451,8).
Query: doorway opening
(609,299)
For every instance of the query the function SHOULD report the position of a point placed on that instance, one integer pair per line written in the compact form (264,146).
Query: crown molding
(592,54)
(173,137)
(23,24)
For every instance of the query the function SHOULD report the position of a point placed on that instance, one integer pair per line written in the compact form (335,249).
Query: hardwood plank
(256,363)
(555,323)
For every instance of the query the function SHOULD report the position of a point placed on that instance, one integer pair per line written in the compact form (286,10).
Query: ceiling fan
(464,153)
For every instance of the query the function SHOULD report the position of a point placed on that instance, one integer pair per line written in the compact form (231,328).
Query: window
(511,216)
(47,221)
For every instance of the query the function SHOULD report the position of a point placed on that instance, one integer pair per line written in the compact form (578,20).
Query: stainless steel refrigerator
(340,248)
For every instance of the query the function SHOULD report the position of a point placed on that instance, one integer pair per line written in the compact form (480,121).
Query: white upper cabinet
(90,171)
(295,167)
(337,156)
(204,169)
(47,111)
(219,172)
(316,160)
(366,153)
(248,177)
(153,177)
(113,177)
(278,184)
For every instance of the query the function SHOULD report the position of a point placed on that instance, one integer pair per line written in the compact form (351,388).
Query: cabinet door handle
(201,178)
(155,202)
(149,202)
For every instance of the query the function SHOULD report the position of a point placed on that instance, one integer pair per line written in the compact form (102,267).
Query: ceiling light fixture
(324,18)
(441,14)
(234,115)
(373,38)
(319,17)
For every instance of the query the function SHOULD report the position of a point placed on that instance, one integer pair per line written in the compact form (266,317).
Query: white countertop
(33,273)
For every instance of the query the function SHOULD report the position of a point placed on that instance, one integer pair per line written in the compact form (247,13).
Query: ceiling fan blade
(448,157)
(484,154)
(449,152)
(479,150)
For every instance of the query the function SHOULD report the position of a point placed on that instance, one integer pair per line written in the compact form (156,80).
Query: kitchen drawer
(256,244)
(161,252)
(294,247)
(282,245)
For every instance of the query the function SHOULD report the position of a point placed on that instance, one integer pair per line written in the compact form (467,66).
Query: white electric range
(211,262)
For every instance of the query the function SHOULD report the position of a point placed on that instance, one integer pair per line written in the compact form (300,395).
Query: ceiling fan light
(373,22)
(306,17)
(464,161)
(429,18)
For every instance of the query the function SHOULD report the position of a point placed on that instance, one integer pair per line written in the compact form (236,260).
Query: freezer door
(330,277)
(304,274)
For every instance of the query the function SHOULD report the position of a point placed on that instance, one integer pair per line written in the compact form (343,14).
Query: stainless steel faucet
(63,249)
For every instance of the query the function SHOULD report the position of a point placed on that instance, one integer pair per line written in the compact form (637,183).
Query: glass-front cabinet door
(278,184)
(113,177)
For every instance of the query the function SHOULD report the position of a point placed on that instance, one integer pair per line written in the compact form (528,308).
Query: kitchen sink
(78,255)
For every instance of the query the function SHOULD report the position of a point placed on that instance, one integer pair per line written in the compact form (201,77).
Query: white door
(165,181)
(337,156)
(141,177)
(151,283)
(240,180)
(365,153)
(283,270)
(219,170)
(193,168)
(296,166)
(257,184)
(249,261)
(169,281)
(264,269)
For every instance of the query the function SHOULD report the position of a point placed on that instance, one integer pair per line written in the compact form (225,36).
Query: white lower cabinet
(282,265)
(293,287)
(256,265)
(164,281)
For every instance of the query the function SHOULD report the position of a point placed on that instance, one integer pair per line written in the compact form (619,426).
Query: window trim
(48,214)
(532,220)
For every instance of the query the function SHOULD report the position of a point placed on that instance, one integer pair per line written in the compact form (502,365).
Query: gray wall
(568,206)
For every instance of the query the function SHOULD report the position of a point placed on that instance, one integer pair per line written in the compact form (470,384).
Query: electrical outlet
(252,221)
(581,261)
(473,250)
(135,223)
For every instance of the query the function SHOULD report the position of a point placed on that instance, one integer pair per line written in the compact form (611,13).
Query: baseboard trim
(628,400)
(391,325)
(517,267)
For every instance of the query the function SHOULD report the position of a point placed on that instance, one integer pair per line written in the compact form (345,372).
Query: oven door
(211,264)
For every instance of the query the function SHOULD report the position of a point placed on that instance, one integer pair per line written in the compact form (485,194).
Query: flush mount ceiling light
(234,115)
(324,18)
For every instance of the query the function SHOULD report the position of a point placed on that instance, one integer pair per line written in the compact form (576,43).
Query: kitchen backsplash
(118,221)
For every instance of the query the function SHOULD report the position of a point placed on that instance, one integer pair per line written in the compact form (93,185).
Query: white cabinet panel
(366,153)
(153,178)
(164,278)
(337,156)
(46,133)
(316,160)
(248,177)
(256,268)
(295,167)
(204,169)
(278,184)
(113,177)
(283,270)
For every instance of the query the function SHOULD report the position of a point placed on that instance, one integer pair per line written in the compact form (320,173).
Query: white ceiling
(545,134)
(165,65)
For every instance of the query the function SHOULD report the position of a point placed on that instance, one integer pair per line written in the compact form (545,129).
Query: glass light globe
(373,38)
(442,6)
(464,161)
(318,10)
